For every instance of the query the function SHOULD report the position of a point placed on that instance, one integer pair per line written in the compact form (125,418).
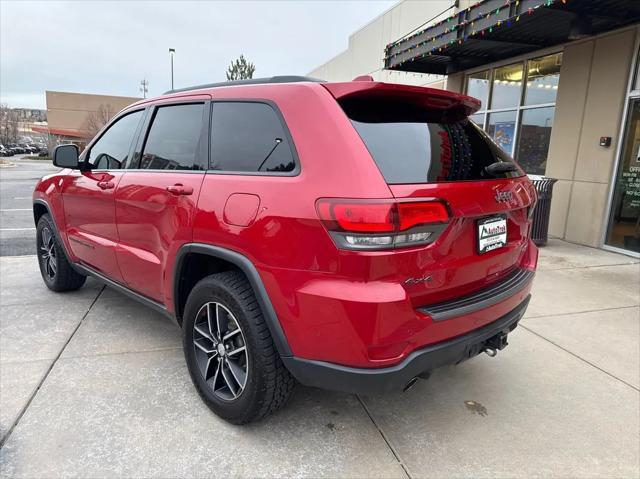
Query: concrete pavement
(93,385)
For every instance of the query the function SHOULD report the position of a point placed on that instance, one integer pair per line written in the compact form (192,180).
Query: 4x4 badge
(503,196)
(424,279)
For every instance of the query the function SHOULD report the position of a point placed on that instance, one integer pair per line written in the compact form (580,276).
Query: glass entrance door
(623,230)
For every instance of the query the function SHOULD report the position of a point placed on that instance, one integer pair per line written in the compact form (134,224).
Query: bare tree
(51,141)
(97,119)
(8,125)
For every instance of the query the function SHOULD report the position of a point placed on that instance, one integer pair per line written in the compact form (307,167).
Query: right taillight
(382,224)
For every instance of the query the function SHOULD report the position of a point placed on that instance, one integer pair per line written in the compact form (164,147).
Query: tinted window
(413,145)
(535,136)
(173,140)
(111,150)
(249,137)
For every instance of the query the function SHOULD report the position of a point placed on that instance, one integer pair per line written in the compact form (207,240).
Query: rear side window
(413,145)
(249,137)
(173,140)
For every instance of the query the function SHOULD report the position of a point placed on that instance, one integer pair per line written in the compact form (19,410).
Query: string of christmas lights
(485,15)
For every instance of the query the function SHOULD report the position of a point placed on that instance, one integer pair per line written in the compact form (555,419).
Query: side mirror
(66,156)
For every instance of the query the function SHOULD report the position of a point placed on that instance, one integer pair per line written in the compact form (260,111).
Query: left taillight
(382,224)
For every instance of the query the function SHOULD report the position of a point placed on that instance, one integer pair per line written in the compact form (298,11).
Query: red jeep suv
(351,236)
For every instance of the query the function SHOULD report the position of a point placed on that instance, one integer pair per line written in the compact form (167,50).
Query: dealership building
(559,82)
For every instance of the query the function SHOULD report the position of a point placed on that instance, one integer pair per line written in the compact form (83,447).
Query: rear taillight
(418,213)
(382,224)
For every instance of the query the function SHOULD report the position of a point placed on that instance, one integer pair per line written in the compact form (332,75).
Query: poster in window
(503,135)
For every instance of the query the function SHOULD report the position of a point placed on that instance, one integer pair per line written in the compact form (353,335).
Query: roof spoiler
(432,98)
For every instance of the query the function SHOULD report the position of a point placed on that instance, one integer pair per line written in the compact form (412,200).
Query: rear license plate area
(492,233)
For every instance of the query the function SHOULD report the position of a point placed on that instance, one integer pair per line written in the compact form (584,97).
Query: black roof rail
(252,81)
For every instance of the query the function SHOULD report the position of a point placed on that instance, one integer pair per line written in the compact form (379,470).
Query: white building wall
(365,52)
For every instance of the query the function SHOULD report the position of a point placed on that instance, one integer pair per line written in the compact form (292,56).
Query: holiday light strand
(485,15)
(481,16)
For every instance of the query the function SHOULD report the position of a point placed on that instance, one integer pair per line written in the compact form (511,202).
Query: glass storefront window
(624,218)
(528,117)
(533,140)
(478,119)
(543,75)
(502,128)
(507,87)
(478,86)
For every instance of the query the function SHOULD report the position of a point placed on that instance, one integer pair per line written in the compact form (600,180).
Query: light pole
(172,51)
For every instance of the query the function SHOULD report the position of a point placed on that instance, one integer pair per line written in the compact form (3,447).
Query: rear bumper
(374,381)
(370,319)
(484,298)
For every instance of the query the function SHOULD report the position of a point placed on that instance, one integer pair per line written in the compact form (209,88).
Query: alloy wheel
(48,253)
(220,351)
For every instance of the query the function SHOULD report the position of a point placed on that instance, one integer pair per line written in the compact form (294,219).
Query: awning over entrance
(62,132)
(492,30)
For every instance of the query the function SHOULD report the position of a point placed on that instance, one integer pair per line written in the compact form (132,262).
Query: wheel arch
(226,259)
(41,208)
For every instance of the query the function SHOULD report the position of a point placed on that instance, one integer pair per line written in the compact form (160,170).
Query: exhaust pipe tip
(410,384)
(491,352)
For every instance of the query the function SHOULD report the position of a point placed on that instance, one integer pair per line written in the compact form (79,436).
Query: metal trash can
(540,227)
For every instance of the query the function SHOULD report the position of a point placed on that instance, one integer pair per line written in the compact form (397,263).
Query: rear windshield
(414,145)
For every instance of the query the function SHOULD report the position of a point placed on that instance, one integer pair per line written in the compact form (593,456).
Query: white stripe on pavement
(17,209)
(17,229)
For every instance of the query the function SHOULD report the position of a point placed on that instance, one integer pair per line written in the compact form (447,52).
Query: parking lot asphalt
(17,231)
(93,384)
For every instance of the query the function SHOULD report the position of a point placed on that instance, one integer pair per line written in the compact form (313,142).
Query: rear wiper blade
(500,167)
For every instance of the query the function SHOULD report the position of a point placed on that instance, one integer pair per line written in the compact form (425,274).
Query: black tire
(57,273)
(268,384)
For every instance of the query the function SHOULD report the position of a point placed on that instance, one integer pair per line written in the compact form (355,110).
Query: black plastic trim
(46,205)
(87,271)
(482,299)
(250,271)
(55,227)
(375,381)
(136,155)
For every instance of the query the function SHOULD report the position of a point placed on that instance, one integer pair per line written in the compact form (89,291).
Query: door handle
(106,185)
(180,190)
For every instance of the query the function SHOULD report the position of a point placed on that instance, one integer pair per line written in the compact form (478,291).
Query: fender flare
(247,267)
(40,201)
(56,231)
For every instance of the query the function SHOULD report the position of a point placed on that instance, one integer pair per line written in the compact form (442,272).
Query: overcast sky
(108,47)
